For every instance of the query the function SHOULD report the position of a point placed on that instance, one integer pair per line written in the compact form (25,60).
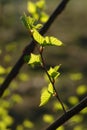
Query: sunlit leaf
(50,88)
(28,124)
(45,96)
(73,100)
(82,89)
(53,72)
(38,26)
(44,17)
(38,37)
(48,118)
(34,59)
(28,21)
(52,41)
(40,4)
(31,7)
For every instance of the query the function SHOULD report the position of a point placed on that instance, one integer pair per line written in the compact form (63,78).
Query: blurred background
(19,109)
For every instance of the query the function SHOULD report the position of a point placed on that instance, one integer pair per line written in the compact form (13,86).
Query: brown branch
(69,114)
(30,48)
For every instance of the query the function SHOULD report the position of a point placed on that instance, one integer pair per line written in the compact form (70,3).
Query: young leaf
(34,59)
(44,17)
(38,37)
(31,7)
(25,21)
(40,4)
(28,21)
(38,26)
(45,96)
(53,72)
(50,88)
(52,41)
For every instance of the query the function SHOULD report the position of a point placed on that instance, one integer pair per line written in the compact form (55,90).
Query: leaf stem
(51,80)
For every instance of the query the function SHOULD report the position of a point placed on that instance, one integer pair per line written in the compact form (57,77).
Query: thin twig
(51,80)
(69,114)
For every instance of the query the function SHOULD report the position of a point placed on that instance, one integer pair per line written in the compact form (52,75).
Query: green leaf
(31,7)
(45,96)
(34,59)
(40,4)
(38,26)
(28,21)
(53,72)
(52,41)
(44,17)
(38,37)
(50,88)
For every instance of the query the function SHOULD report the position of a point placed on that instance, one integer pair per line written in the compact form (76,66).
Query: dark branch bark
(30,48)
(65,117)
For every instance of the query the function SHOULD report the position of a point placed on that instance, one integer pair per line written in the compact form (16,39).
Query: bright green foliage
(48,118)
(52,41)
(50,88)
(31,7)
(53,72)
(45,96)
(37,10)
(34,59)
(38,37)
(45,41)
(30,22)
